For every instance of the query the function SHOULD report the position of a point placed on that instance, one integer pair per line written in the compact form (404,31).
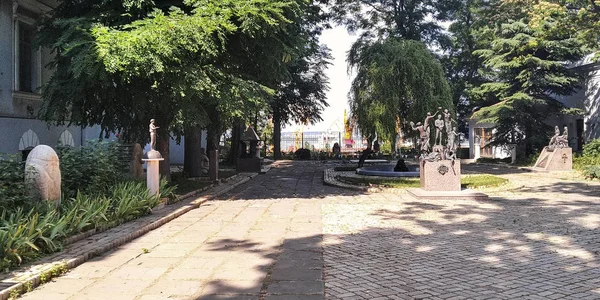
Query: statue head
(428,114)
(151,120)
(202,151)
(439,117)
(446,110)
(418,123)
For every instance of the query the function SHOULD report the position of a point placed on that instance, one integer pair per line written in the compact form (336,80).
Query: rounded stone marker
(42,172)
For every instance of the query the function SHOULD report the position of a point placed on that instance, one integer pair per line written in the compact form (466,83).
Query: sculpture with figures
(558,140)
(445,142)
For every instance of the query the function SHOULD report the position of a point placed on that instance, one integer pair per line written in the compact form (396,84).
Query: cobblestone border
(93,245)
(330,178)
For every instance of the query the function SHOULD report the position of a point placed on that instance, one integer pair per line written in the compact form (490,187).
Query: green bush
(589,161)
(13,190)
(131,200)
(85,212)
(91,169)
(302,154)
(592,149)
(25,235)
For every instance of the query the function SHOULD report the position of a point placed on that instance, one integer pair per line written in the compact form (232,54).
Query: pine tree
(527,63)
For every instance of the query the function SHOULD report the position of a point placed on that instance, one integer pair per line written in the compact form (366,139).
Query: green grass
(481,181)
(467,181)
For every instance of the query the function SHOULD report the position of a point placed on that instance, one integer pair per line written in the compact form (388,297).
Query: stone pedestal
(440,180)
(152,174)
(557,159)
(213,165)
(249,165)
(442,175)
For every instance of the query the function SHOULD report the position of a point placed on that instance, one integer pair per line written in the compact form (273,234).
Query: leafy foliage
(526,61)
(394,79)
(13,190)
(90,169)
(589,161)
(27,234)
(411,20)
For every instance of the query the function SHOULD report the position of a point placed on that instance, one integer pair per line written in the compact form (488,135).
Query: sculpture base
(249,165)
(153,175)
(153,154)
(441,175)
(557,159)
(447,195)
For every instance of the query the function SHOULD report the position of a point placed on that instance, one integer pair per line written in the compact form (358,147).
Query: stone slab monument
(439,169)
(249,160)
(42,172)
(153,159)
(136,168)
(557,156)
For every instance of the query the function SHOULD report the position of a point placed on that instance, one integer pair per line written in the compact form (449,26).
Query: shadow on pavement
(502,248)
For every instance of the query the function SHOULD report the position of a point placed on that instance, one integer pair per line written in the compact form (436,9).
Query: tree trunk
(276,138)
(212,144)
(162,145)
(192,163)
(236,135)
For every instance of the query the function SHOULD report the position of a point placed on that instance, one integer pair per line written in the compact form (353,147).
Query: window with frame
(27,58)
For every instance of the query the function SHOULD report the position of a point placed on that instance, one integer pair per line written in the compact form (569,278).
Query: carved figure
(452,140)
(424,136)
(136,167)
(153,134)
(439,125)
(556,135)
(376,147)
(426,123)
(448,120)
(401,166)
(42,174)
(205,164)
(559,141)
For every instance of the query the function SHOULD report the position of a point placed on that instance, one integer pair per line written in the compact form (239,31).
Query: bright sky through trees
(339,41)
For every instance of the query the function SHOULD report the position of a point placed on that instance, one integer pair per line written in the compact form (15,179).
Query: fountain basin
(387,171)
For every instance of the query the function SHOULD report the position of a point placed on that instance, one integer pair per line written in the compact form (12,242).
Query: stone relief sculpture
(205,164)
(443,124)
(559,141)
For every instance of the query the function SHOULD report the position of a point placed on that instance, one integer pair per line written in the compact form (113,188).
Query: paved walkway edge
(26,281)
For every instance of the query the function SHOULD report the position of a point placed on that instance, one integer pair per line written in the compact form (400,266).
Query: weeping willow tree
(395,79)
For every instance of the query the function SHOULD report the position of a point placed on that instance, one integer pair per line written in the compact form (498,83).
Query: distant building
(22,72)
(581,128)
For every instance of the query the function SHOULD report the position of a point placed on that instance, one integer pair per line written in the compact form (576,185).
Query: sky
(339,42)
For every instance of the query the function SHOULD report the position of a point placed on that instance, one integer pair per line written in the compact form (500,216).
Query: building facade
(22,73)
(581,128)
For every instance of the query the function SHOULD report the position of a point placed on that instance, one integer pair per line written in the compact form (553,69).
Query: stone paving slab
(285,235)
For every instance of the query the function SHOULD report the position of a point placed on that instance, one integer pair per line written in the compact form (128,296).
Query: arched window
(66,139)
(28,141)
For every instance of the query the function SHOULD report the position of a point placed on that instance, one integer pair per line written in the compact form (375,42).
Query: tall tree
(302,98)
(527,61)
(395,79)
(393,61)
(118,67)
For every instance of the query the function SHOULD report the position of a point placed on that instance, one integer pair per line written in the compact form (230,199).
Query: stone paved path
(285,235)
